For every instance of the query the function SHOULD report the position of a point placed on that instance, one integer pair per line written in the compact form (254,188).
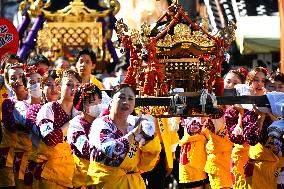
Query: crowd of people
(60,130)
(234,149)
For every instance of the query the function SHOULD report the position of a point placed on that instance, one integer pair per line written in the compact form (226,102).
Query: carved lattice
(62,35)
(187,73)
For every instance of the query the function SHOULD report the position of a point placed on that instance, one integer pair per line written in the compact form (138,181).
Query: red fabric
(219,86)
(232,164)
(185,148)
(9,38)
(53,138)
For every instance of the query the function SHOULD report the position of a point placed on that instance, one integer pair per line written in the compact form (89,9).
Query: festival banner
(9,38)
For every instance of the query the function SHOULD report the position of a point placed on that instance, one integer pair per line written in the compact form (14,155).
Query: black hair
(117,88)
(277,76)
(50,73)
(6,59)
(39,58)
(80,101)
(89,52)
(241,73)
(68,73)
(16,57)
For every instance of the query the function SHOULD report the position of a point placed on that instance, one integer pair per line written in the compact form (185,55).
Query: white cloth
(105,101)
(76,126)
(276,129)
(244,90)
(20,113)
(276,101)
(148,125)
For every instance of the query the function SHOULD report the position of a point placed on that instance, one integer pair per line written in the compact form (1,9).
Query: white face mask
(36,91)
(95,110)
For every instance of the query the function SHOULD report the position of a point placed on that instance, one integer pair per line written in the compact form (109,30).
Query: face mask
(95,110)
(36,91)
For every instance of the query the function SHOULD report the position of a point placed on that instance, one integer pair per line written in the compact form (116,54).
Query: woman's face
(231,80)
(258,83)
(277,86)
(15,80)
(69,87)
(33,80)
(123,102)
(50,90)
(94,101)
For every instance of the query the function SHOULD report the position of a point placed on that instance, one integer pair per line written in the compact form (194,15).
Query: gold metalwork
(68,35)
(188,53)
(228,32)
(121,27)
(74,26)
(75,12)
(204,24)
(183,33)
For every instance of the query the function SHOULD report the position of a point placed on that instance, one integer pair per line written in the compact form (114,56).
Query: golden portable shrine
(176,53)
(183,52)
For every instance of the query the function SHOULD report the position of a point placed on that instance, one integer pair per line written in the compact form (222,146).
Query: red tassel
(219,86)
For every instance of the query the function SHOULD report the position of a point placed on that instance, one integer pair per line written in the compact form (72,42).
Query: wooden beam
(193,101)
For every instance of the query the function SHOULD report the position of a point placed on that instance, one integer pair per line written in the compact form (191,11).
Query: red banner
(9,38)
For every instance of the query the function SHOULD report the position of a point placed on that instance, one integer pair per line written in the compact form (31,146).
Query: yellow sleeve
(149,155)
(96,82)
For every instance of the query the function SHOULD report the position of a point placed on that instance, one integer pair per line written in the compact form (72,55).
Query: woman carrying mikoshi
(14,79)
(122,151)
(34,167)
(56,163)
(224,165)
(25,113)
(206,149)
(193,156)
(264,166)
(88,101)
(243,128)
